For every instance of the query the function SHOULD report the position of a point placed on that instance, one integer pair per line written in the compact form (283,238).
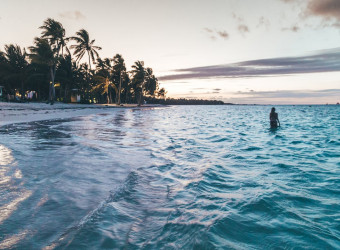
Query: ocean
(181,177)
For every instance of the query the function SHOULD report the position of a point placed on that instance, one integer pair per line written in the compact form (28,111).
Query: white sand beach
(28,112)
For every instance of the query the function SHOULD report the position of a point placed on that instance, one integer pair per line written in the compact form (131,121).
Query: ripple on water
(181,177)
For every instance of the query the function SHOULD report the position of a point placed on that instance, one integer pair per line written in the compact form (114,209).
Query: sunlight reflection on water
(6,157)
(15,195)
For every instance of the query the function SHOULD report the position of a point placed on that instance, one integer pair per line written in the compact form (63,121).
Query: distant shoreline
(11,112)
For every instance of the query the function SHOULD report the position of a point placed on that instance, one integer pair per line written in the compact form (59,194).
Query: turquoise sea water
(184,177)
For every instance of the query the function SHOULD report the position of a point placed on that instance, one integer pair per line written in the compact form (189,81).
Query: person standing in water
(274,119)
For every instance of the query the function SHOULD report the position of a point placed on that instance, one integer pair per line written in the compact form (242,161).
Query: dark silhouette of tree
(104,84)
(151,82)
(138,77)
(49,49)
(54,32)
(84,45)
(42,53)
(162,93)
(118,72)
(48,63)
(15,67)
(66,75)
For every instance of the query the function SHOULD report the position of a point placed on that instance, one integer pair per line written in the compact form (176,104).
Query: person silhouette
(274,119)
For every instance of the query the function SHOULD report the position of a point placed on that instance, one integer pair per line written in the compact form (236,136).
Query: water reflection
(6,157)
(179,177)
(12,240)
(11,196)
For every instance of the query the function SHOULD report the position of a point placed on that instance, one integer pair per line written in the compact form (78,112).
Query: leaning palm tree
(138,79)
(42,53)
(84,45)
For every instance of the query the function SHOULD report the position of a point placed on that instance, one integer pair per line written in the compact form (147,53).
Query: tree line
(49,68)
(183,101)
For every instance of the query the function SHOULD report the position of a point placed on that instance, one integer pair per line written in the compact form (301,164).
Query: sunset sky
(240,51)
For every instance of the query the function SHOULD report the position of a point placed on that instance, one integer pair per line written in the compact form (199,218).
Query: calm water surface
(185,177)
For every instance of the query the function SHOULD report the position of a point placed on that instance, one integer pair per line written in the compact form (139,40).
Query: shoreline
(11,113)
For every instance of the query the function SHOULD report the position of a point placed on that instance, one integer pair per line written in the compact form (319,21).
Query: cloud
(74,15)
(290,93)
(243,29)
(294,28)
(285,96)
(328,9)
(213,34)
(322,61)
(263,22)
(238,18)
(223,34)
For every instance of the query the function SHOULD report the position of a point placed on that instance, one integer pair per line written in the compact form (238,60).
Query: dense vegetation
(51,70)
(182,101)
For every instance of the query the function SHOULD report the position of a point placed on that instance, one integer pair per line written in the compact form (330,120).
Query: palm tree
(54,32)
(151,82)
(2,57)
(118,70)
(138,73)
(103,67)
(85,45)
(103,86)
(49,48)
(42,53)
(161,93)
(66,74)
(16,65)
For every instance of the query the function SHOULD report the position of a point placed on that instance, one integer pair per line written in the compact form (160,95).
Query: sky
(238,51)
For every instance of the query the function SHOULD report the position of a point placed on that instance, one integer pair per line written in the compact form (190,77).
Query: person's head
(273,110)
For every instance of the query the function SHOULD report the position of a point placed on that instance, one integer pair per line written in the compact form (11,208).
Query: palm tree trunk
(22,90)
(51,95)
(126,94)
(120,87)
(65,93)
(107,96)
(89,59)
(140,97)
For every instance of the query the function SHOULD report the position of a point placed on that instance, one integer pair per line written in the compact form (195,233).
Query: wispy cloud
(263,22)
(208,30)
(243,29)
(74,15)
(324,61)
(293,28)
(214,34)
(223,34)
(285,96)
(291,93)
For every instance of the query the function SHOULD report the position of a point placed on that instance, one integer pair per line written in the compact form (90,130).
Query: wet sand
(28,112)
